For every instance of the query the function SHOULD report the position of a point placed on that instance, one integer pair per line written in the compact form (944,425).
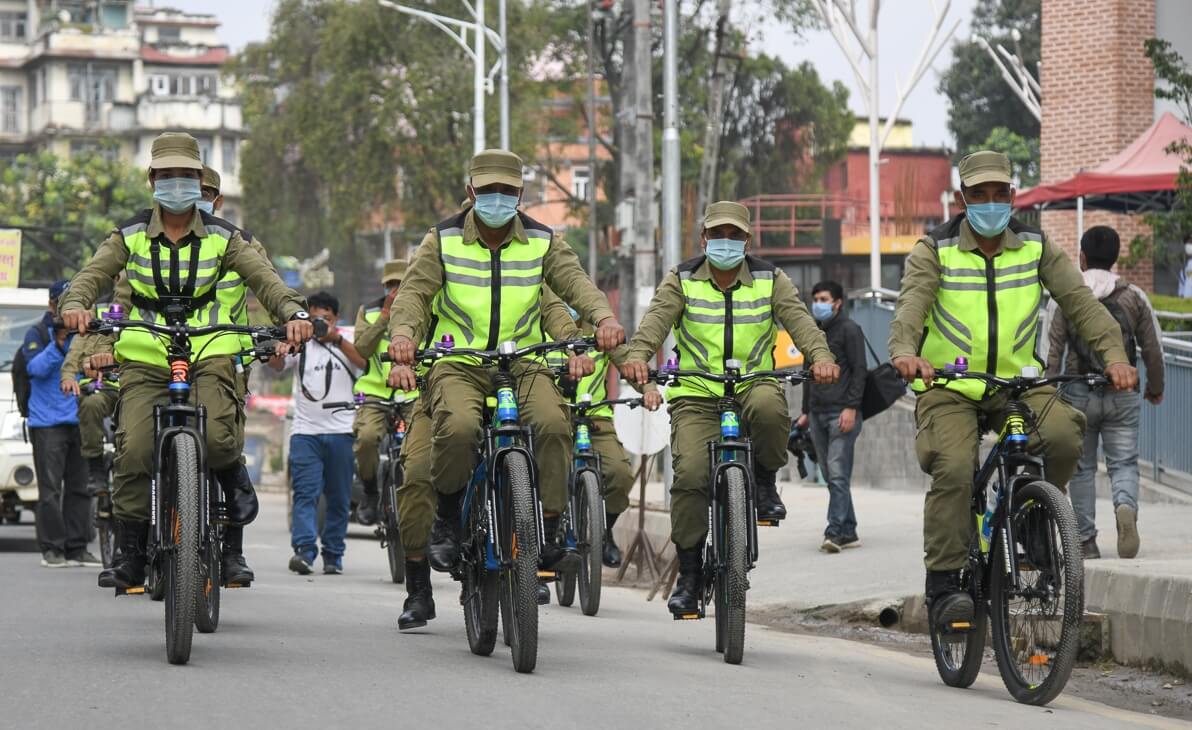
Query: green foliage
(1173,226)
(1173,75)
(1178,305)
(980,101)
(1022,151)
(77,201)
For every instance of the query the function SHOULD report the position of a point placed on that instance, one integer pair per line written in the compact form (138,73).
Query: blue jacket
(48,405)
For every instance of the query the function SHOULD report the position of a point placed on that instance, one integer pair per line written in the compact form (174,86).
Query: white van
(20,309)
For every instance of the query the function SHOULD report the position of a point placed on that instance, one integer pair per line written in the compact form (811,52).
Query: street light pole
(480,84)
(593,236)
(671,227)
(504,55)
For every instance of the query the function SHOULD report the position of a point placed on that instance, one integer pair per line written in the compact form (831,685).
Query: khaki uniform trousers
(947,443)
(695,422)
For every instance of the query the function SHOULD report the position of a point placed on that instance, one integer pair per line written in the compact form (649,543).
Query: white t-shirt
(310,418)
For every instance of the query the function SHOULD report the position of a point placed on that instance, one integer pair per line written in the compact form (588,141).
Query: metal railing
(1163,434)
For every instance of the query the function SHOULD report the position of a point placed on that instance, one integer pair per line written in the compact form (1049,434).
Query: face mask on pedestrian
(822,311)
(988,219)
(177,194)
(496,209)
(725,253)
(207,206)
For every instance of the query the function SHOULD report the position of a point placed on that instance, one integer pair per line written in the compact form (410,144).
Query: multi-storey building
(86,74)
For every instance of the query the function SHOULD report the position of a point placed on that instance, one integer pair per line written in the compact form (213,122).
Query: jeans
(63,504)
(320,465)
(1113,417)
(834,452)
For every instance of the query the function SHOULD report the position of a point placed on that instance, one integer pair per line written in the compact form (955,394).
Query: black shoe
(543,593)
(852,541)
(612,552)
(769,504)
(129,570)
(556,557)
(366,511)
(1090,550)
(443,551)
(235,569)
(685,598)
(950,607)
(301,564)
(241,498)
(97,476)
(420,603)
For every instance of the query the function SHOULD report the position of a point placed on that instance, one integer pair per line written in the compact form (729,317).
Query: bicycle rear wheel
(105,532)
(589,532)
(519,589)
(208,588)
(1036,624)
(565,580)
(958,656)
(392,534)
(182,562)
(732,579)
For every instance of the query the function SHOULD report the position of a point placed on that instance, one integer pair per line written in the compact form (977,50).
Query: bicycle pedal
(238,585)
(547,574)
(768,522)
(686,616)
(130,591)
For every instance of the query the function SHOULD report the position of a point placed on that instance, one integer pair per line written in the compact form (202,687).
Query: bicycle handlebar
(1021,382)
(257,332)
(666,376)
(505,351)
(385,405)
(584,406)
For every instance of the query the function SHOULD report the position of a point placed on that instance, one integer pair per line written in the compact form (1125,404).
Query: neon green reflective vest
(986,310)
(596,385)
(156,269)
(489,297)
(717,326)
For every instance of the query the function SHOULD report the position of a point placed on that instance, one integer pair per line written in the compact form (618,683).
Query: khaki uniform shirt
(921,282)
(668,302)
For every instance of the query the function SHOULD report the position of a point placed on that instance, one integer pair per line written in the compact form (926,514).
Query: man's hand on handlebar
(635,371)
(652,399)
(825,373)
(101,360)
(77,320)
(1122,376)
(609,334)
(403,377)
(401,350)
(911,367)
(580,366)
(299,331)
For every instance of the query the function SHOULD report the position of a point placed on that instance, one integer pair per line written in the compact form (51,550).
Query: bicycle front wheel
(519,590)
(589,529)
(210,581)
(392,533)
(732,578)
(481,587)
(182,562)
(958,655)
(1036,622)
(105,534)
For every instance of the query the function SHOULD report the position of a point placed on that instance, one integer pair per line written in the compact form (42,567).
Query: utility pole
(479,84)
(644,247)
(711,159)
(593,236)
(671,215)
(625,140)
(504,79)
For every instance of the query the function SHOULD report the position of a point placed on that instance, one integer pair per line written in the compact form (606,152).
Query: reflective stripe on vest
(489,297)
(986,310)
(717,326)
(100,311)
(174,272)
(596,385)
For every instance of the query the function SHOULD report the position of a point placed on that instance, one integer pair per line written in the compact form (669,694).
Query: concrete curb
(1149,605)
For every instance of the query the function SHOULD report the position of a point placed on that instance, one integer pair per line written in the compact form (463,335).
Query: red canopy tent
(1140,177)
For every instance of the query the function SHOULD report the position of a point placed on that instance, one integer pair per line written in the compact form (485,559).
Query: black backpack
(21,385)
(1087,359)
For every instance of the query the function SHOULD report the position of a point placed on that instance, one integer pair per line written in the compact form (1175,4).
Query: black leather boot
(366,511)
(420,603)
(443,551)
(612,553)
(685,598)
(97,475)
(948,604)
(235,569)
(129,570)
(769,504)
(555,556)
(241,498)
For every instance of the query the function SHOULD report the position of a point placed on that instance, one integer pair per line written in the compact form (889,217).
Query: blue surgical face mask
(822,311)
(207,206)
(988,219)
(725,253)
(177,194)
(496,209)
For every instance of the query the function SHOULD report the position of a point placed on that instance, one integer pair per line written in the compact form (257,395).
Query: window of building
(229,155)
(91,83)
(581,177)
(10,109)
(183,84)
(204,149)
(169,34)
(12,25)
(159,85)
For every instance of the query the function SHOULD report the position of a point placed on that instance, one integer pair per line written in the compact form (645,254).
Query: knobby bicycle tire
(182,563)
(481,588)
(589,530)
(1053,509)
(105,534)
(959,662)
(520,590)
(207,593)
(733,580)
(393,547)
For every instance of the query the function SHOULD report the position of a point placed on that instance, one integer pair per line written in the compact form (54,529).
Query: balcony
(190,113)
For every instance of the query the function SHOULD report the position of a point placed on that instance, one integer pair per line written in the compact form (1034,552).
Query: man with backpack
(1112,415)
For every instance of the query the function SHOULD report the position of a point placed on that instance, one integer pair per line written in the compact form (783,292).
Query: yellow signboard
(786,355)
(10,258)
(859,245)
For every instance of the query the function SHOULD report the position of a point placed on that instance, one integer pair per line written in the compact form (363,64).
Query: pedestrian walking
(321,440)
(1112,415)
(64,505)
(832,413)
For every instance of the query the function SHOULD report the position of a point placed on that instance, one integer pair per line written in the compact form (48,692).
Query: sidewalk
(1148,600)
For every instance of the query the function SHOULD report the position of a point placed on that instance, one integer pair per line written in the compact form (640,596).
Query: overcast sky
(901,31)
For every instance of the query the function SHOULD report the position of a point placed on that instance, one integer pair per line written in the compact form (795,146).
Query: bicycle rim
(182,564)
(520,591)
(393,547)
(589,529)
(1036,624)
(958,658)
(207,595)
(733,580)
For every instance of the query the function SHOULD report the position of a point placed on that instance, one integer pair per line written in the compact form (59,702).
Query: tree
(1022,151)
(69,205)
(979,99)
(1172,227)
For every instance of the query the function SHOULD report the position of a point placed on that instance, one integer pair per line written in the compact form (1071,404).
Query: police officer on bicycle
(176,252)
(723,304)
(973,288)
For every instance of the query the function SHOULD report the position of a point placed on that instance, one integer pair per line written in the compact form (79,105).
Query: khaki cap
(495,166)
(394,271)
(175,149)
(210,178)
(985,166)
(726,211)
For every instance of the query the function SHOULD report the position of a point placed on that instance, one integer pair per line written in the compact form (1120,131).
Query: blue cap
(58,288)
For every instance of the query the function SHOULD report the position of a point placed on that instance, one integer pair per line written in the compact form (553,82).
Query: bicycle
(101,502)
(186,516)
(731,548)
(389,472)
(1026,551)
(582,523)
(501,514)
